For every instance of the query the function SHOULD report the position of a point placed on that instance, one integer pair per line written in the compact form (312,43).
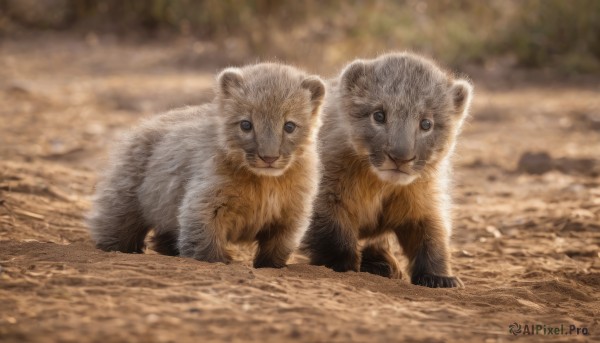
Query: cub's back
(188,139)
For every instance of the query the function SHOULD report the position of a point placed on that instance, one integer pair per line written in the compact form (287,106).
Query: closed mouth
(266,167)
(396,171)
(268,170)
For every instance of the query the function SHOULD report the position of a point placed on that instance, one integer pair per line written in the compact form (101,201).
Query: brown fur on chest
(375,206)
(252,203)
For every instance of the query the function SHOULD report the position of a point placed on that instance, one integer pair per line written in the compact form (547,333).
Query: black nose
(269,159)
(400,160)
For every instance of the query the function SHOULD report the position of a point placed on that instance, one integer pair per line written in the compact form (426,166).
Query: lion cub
(243,168)
(389,128)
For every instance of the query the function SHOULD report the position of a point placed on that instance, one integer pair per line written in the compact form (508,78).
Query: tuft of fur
(389,176)
(200,181)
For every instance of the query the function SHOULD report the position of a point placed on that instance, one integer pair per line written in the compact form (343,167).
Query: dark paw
(343,266)
(339,264)
(434,281)
(266,263)
(129,249)
(381,268)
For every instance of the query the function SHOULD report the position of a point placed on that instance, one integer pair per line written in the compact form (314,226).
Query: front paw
(381,268)
(268,263)
(379,261)
(343,266)
(221,257)
(340,262)
(435,281)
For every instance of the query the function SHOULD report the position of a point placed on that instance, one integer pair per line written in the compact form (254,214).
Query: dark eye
(379,117)
(245,125)
(426,124)
(289,127)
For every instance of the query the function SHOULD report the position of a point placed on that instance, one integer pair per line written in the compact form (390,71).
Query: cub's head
(403,113)
(271,114)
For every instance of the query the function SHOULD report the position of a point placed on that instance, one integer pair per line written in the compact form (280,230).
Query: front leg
(331,245)
(203,229)
(377,258)
(202,243)
(275,245)
(426,244)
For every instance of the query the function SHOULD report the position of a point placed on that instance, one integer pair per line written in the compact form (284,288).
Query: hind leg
(116,222)
(377,259)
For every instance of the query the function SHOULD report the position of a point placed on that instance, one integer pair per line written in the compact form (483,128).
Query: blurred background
(556,35)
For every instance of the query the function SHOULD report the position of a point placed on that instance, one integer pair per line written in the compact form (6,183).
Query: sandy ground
(526,237)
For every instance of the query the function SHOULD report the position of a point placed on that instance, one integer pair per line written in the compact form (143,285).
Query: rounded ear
(316,87)
(353,74)
(229,80)
(461,92)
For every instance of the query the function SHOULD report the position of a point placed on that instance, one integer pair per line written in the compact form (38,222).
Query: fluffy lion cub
(390,126)
(243,168)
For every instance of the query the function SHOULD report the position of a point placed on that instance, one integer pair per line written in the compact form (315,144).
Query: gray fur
(391,176)
(196,178)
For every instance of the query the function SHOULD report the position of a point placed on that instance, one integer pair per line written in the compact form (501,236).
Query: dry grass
(554,34)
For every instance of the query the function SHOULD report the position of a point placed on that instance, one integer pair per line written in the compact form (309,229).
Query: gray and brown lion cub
(389,128)
(243,168)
